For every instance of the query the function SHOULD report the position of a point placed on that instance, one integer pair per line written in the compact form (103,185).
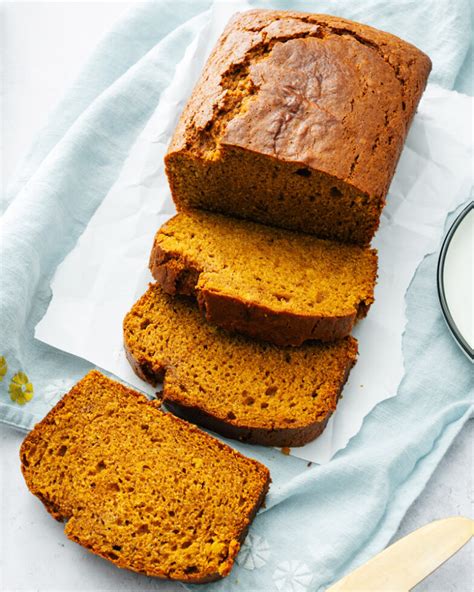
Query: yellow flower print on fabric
(3,368)
(21,389)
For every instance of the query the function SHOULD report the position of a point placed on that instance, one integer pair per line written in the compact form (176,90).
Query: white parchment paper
(107,271)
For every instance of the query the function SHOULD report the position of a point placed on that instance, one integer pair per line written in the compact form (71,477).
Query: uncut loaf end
(298,121)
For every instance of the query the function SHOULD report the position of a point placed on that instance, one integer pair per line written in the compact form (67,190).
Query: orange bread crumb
(140,487)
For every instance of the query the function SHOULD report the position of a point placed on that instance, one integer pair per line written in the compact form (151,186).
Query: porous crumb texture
(281,286)
(241,388)
(140,487)
(298,121)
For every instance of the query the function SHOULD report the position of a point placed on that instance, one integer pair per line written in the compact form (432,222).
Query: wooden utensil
(411,559)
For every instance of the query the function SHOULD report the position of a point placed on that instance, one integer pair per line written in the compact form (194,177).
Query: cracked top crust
(331,94)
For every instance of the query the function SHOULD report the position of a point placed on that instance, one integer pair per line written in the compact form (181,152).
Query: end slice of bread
(276,285)
(140,487)
(238,387)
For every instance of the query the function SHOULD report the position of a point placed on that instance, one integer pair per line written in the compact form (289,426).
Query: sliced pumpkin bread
(243,389)
(140,487)
(276,285)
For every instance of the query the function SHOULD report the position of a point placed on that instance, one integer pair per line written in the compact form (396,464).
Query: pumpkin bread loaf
(140,487)
(277,285)
(298,121)
(240,388)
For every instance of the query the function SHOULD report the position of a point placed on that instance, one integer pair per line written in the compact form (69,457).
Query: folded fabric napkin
(319,522)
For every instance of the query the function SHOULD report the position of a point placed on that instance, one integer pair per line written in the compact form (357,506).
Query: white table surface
(43,46)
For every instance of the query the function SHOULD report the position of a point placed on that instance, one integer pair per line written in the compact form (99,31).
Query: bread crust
(289,437)
(233,46)
(178,276)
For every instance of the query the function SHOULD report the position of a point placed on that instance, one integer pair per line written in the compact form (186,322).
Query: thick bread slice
(241,388)
(276,285)
(140,487)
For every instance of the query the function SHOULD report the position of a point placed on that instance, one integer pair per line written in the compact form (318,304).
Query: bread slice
(244,389)
(280,286)
(140,487)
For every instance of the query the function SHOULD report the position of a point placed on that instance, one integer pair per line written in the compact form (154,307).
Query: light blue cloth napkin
(319,522)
